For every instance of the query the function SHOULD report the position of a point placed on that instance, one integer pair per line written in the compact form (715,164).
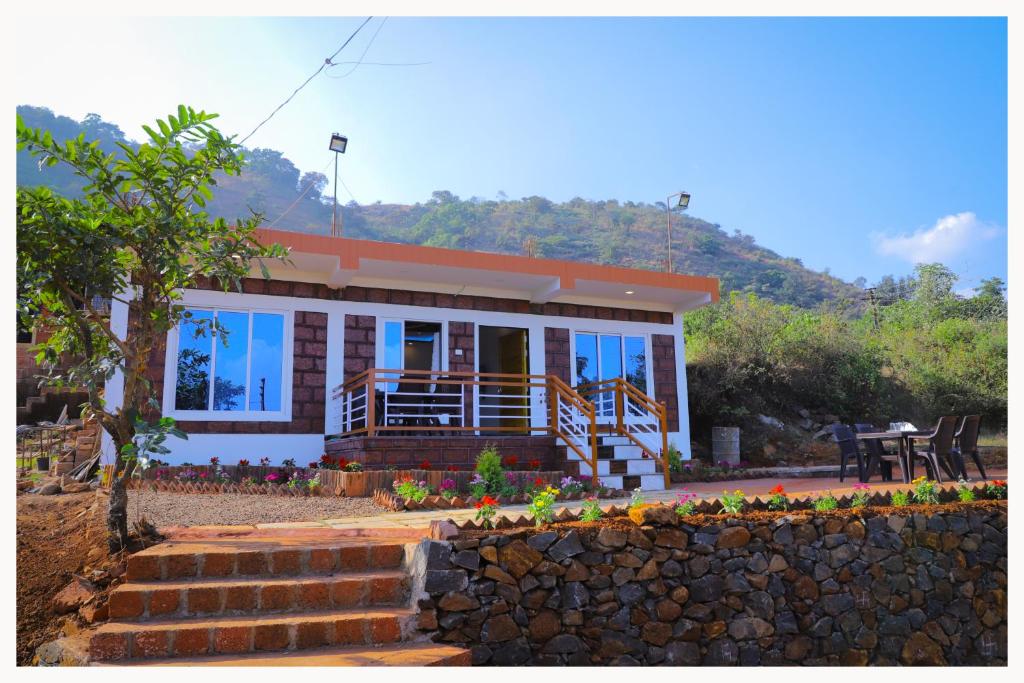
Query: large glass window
(240,354)
(411,345)
(606,356)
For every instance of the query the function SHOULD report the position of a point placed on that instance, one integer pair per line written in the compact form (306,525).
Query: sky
(862,146)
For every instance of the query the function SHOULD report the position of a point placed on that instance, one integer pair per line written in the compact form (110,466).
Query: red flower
(486,500)
(535,464)
(342,463)
(452,468)
(313,465)
(510,461)
(778,490)
(998,482)
(243,463)
(425,465)
(538,482)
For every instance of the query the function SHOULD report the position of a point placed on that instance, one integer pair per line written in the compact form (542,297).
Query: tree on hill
(138,233)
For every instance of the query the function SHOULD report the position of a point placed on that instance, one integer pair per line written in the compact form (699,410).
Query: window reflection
(266,362)
(195,344)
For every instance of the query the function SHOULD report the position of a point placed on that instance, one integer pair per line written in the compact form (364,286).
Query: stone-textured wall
(665,388)
(460,336)
(556,353)
(910,589)
(360,344)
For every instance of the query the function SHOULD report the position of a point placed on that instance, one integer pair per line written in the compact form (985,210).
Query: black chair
(847,442)
(447,401)
(939,452)
(965,443)
(877,455)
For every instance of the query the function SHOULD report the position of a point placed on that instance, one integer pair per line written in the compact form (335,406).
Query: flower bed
(881,585)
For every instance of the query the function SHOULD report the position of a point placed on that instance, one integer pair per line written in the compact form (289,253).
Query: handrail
(624,394)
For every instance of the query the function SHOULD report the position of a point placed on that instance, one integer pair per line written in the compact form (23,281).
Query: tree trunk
(117,515)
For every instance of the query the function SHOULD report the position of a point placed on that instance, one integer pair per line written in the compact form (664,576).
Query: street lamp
(682,202)
(338,145)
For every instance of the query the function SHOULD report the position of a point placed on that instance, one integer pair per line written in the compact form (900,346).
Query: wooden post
(619,408)
(663,421)
(593,443)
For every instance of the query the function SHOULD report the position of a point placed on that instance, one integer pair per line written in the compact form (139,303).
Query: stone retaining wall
(908,588)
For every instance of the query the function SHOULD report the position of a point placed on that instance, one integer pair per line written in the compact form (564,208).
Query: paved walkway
(751,487)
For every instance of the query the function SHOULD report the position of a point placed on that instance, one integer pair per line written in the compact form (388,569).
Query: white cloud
(950,238)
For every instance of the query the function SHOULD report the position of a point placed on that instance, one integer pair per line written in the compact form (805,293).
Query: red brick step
(401,654)
(194,637)
(259,595)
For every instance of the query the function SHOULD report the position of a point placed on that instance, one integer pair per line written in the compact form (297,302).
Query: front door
(504,350)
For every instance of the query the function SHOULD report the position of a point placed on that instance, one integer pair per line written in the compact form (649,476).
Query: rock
(458,602)
(566,548)
(773,422)
(656,632)
(806,588)
(777,564)
(499,629)
(493,571)
(519,558)
(75,487)
(659,515)
(682,654)
(798,648)
(707,588)
(73,596)
(733,537)
(540,542)
(439,555)
(61,652)
(920,650)
(546,625)
(443,581)
(92,613)
(680,594)
(468,559)
(750,628)
(668,610)
(489,553)
(671,538)
(50,489)
(721,652)
(563,643)
(512,654)
(611,538)
(575,596)
(648,571)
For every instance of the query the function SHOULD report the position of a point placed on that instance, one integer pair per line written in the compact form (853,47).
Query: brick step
(271,556)
(194,637)
(141,601)
(402,654)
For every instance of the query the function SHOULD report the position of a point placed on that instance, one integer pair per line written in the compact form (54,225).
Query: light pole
(682,201)
(338,145)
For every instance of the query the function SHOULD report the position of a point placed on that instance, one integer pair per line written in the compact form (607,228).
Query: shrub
(542,506)
(411,489)
(488,466)
(675,459)
(637,498)
(925,491)
(447,489)
(963,492)
(996,489)
(826,502)
(477,486)
(900,498)
(860,496)
(778,499)
(486,508)
(591,510)
(686,503)
(732,503)
(571,486)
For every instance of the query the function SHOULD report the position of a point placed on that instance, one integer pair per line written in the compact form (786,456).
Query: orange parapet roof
(410,266)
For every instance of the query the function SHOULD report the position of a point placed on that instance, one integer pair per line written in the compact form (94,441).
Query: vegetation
(138,233)
(926,352)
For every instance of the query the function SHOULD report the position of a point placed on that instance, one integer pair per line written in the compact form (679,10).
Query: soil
(166,510)
(624,523)
(59,537)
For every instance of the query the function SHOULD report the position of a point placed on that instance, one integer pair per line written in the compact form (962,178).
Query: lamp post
(338,145)
(682,201)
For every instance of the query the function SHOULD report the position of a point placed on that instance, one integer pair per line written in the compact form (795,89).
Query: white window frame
(171,372)
(381,347)
(622,352)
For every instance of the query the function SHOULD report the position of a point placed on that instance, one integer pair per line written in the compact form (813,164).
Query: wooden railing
(409,402)
(635,415)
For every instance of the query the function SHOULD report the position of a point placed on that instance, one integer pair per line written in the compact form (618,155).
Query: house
(392,354)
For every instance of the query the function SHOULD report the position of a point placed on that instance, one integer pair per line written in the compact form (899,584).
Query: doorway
(504,350)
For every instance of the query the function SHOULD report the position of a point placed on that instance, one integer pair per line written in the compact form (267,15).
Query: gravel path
(189,509)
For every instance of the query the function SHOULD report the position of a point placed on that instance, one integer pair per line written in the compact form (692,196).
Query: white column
(681,438)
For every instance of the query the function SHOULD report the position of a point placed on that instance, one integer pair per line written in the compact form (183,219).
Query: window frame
(646,336)
(246,415)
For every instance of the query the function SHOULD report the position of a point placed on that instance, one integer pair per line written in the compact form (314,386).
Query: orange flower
(486,500)
(778,491)
(998,482)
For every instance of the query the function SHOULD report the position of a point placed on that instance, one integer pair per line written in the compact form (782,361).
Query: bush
(488,466)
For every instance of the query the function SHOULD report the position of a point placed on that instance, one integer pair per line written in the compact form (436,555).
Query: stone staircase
(620,465)
(284,597)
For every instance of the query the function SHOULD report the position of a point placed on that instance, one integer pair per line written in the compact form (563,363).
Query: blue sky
(858,145)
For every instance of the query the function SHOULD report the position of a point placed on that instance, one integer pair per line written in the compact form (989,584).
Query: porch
(384,416)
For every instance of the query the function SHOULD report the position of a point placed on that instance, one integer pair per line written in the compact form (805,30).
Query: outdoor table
(905,441)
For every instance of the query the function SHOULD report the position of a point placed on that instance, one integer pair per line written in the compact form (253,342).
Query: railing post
(663,422)
(371,402)
(553,407)
(593,444)
(619,408)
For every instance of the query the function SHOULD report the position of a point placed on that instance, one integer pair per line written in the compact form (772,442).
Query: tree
(138,235)
(316,182)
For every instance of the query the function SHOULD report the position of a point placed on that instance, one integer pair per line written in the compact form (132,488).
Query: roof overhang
(342,262)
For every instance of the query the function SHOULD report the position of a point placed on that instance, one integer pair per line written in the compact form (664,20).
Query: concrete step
(402,654)
(621,467)
(142,601)
(196,637)
(262,556)
(628,482)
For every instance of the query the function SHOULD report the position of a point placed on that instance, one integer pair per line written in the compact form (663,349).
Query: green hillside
(605,231)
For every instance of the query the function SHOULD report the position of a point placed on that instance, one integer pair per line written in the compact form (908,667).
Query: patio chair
(877,453)
(939,452)
(965,443)
(847,448)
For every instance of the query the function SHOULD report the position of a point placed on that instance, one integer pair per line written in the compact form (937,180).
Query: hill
(602,231)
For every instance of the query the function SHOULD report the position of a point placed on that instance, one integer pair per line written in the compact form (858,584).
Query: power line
(327,62)
(365,50)
(305,191)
